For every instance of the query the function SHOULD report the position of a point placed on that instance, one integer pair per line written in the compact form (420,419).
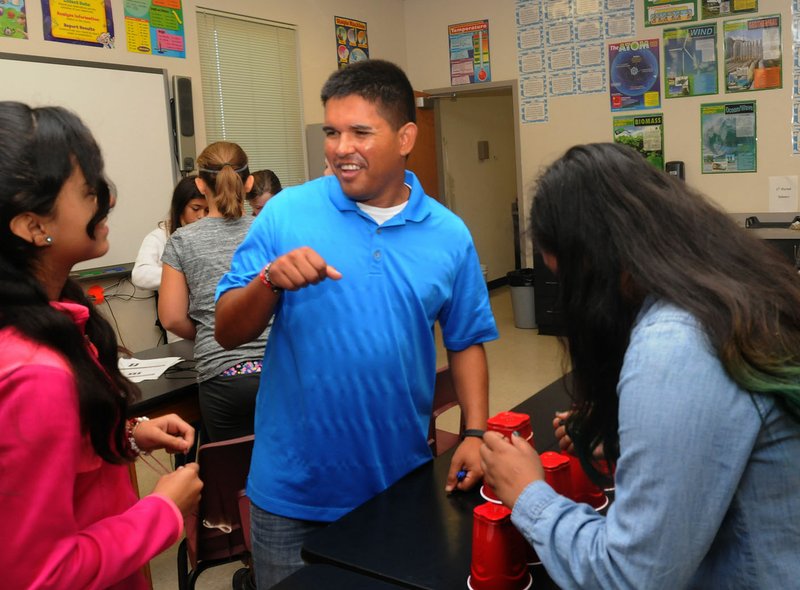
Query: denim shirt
(707,483)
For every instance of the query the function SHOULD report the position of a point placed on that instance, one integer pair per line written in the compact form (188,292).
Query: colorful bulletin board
(635,75)
(13,19)
(155,27)
(469,52)
(644,133)
(81,22)
(669,12)
(753,59)
(352,43)
(728,137)
(690,61)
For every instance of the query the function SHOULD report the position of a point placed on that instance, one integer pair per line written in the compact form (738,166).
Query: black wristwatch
(476,432)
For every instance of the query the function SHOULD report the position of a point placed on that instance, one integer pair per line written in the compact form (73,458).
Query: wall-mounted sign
(633,68)
(155,27)
(728,137)
(469,52)
(13,19)
(352,43)
(82,22)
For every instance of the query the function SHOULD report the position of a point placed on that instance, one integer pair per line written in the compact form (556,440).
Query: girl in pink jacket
(71,518)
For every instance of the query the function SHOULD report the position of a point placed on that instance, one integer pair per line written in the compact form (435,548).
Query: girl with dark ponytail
(72,517)
(195,258)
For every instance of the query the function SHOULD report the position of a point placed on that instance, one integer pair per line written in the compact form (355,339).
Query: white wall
(581,119)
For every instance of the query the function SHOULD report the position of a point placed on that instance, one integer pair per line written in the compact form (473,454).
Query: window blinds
(251,91)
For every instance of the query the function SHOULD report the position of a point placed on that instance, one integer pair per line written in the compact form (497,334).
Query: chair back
(444,398)
(216,532)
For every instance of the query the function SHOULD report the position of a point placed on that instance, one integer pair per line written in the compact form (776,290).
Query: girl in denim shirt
(683,332)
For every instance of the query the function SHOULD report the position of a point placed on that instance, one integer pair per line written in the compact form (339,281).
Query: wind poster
(690,61)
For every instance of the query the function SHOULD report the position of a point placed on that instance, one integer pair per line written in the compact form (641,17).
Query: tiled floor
(520,363)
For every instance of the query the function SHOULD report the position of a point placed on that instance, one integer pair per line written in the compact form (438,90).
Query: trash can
(522,302)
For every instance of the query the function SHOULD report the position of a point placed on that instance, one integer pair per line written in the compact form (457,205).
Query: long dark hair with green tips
(621,230)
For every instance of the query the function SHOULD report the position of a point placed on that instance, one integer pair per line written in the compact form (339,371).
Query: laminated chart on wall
(644,133)
(352,43)
(723,8)
(634,74)
(155,27)
(13,19)
(690,61)
(796,77)
(79,22)
(728,137)
(753,57)
(561,48)
(669,12)
(469,52)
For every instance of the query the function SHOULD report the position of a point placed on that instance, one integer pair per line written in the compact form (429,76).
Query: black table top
(328,577)
(176,384)
(415,535)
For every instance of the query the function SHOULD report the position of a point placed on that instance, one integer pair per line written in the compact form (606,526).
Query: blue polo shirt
(347,384)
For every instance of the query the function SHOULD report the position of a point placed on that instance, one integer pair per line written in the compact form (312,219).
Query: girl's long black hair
(39,148)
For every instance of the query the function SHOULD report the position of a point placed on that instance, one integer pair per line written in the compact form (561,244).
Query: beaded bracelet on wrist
(132,424)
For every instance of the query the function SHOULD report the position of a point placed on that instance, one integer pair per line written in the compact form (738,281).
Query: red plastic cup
(557,472)
(506,423)
(584,489)
(498,551)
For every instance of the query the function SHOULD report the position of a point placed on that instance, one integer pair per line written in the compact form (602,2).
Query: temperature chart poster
(352,44)
(469,53)
(155,27)
(635,75)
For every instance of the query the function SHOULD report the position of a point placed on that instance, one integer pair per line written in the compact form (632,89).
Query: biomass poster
(753,54)
(469,53)
(690,61)
(13,19)
(728,137)
(155,27)
(635,75)
(352,44)
(669,12)
(81,22)
(718,8)
(644,133)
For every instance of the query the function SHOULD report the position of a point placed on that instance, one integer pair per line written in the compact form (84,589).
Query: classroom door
(422,160)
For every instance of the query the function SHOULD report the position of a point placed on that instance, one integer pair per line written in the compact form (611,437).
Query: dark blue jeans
(277,542)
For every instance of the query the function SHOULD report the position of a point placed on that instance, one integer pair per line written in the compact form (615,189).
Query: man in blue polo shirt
(355,268)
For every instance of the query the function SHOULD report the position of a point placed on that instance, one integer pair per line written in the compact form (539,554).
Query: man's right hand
(300,268)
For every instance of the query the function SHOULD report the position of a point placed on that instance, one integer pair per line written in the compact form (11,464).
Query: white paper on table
(146,369)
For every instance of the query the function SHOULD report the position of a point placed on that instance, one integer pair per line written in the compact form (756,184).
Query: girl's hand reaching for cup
(509,466)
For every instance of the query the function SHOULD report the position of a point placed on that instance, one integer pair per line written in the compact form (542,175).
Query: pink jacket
(69,519)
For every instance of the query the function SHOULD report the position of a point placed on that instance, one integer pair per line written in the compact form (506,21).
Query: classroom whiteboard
(127,110)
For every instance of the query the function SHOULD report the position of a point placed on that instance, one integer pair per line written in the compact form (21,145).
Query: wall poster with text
(634,74)
(722,8)
(469,52)
(728,137)
(753,59)
(669,12)
(690,61)
(155,27)
(644,133)
(13,19)
(81,22)
(352,44)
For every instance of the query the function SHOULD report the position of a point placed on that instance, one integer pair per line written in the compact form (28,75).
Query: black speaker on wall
(184,122)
